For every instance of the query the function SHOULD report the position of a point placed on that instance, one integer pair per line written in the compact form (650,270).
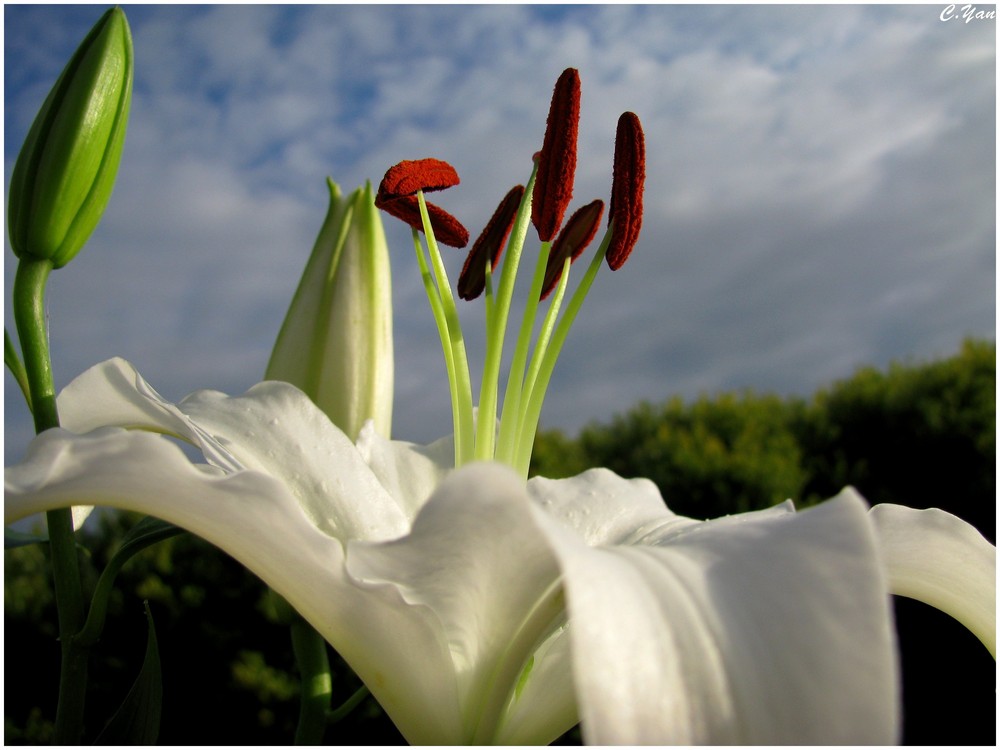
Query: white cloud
(820,192)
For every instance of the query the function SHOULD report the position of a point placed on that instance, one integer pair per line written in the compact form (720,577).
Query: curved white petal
(395,647)
(409,472)
(764,628)
(477,560)
(939,559)
(273,428)
(603,507)
(440,624)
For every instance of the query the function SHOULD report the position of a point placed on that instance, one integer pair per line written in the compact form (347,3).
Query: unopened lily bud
(66,169)
(336,341)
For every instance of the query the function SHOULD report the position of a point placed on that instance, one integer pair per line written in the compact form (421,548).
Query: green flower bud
(67,166)
(336,341)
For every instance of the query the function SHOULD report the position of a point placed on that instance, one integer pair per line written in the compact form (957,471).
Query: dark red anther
(626,189)
(573,239)
(472,280)
(557,160)
(447,229)
(397,196)
(407,177)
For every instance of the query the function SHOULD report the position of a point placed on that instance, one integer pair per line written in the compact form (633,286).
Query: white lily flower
(444,589)
(482,607)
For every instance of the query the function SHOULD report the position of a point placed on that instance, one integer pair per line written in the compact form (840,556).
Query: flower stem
(349,705)
(316,682)
(29,315)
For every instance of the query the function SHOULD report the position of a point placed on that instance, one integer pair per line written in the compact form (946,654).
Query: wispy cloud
(820,194)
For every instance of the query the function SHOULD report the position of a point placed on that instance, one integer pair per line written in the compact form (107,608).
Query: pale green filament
(515,378)
(437,309)
(495,333)
(536,359)
(450,330)
(527,380)
(533,409)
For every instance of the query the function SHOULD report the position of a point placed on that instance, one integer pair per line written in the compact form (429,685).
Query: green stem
(29,315)
(347,706)
(316,681)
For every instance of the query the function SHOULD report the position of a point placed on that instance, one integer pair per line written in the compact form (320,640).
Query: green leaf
(15,366)
(137,722)
(147,532)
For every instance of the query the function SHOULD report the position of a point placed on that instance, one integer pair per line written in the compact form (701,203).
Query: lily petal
(939,559)
(439,624)
(397,649)
(409,472)
(477,560)
(274,428)
(766,627)
(762,628)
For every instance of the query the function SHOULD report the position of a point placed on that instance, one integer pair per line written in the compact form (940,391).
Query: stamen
(489,246)
(557,159)
(572,240)
(542,202)
(407,177)
(397,196)
(625,211)
(448,230)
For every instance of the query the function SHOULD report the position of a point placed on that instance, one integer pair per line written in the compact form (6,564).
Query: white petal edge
(477,560)
(273,428)
(939,559)
(772,629)
(394,646)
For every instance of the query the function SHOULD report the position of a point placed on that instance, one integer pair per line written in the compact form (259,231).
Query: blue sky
(821,187)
